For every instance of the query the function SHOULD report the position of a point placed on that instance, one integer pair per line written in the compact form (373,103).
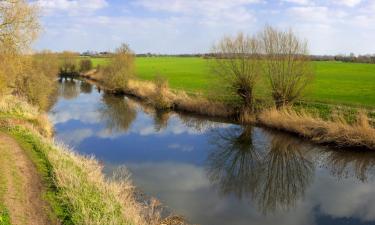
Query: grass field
(350,84)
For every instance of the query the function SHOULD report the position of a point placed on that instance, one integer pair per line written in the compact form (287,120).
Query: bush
(68,64)
(85,65)
(120,69)
(36,80)
(160,97)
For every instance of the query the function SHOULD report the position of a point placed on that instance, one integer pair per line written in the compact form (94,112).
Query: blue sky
(192,26)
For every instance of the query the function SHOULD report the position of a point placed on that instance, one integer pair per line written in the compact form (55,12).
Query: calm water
(217,173)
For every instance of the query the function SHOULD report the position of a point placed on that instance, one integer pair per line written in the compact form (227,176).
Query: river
(214,172)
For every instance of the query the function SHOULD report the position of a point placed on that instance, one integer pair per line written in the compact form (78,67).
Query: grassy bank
(343,127)
(350,84)
(76,187)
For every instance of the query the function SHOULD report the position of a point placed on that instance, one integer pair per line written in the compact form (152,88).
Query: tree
(68,63)
(286,63)
(19,25)
(120,69)
(237,60)
(85,65)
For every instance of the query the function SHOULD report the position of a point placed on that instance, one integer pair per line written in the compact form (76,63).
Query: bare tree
(237,60)
(286,64)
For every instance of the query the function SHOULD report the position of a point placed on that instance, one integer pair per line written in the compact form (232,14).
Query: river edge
(77,189)
(337,133)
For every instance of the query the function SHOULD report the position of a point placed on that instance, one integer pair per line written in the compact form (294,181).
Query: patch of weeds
(4,216)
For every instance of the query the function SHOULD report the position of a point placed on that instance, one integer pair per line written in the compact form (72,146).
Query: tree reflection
(117,113)
(275,178)
(232,164)
(68,88)
(285,174)
(85,87)
(161,118)
(344,164)
(196,122)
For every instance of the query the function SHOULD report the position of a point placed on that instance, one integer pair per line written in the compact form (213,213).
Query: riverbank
(73,185)
(349,128)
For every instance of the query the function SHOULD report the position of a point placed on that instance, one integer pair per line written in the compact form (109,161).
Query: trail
(21,186)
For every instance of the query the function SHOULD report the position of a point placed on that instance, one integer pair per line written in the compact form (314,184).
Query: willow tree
(286,64)
(237,60)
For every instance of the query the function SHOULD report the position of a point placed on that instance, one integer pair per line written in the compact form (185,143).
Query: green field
(351,84)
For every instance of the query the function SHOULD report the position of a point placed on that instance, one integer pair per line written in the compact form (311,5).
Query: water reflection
(69,88)
(274,179)
(161,119)
(117,113)
(345,164)
(218,173)
(86,87)
(285,174)
(233,162)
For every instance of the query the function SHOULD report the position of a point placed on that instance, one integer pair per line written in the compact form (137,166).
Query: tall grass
(337,131)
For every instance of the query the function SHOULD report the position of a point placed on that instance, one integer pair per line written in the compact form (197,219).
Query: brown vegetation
(68,63)
(238,62)
(19,25)
(29,76)
(85,65)
(120,68)
(287,65)
(337,131)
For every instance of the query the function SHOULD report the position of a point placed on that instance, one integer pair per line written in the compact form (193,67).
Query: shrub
(68,64)
(85,65)
(160,98)
(120,68)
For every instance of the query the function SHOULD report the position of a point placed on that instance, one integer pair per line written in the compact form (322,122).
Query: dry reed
(337,131)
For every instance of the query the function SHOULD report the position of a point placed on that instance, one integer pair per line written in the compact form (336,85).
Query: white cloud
(75,137)
(207,11)
(321,14)
(349,3)
(71,6)
(180,147)
(194,6)
(300,2)
(162,25)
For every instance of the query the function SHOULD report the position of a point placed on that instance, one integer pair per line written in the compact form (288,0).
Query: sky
(193,26)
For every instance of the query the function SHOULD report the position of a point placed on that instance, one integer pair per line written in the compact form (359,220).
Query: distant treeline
(342,58)
(345,58)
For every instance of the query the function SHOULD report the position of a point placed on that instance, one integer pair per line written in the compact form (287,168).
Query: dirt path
(21,186)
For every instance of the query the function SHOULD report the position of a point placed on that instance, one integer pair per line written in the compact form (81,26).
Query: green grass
(351,84)
(36,150)
(4,216)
